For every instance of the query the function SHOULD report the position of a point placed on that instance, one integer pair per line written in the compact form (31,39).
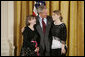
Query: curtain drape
(73,17)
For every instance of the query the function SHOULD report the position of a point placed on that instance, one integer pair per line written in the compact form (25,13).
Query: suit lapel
(48,25)
(38,27)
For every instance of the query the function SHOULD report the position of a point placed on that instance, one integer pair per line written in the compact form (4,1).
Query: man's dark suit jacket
(44,38)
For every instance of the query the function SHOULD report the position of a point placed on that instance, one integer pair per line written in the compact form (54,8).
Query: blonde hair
(58,13)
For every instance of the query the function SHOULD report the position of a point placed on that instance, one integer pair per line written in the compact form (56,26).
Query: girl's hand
(37,49)
(63,51)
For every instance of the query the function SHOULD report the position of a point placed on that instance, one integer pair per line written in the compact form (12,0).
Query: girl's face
(55,16)
(32,21)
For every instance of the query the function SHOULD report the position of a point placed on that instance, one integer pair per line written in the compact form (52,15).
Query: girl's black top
(28,47)
(59,31)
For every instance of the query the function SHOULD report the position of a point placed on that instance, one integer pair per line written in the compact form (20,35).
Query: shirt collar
(41,18)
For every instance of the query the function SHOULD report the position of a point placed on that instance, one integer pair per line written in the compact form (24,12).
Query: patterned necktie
(44,25)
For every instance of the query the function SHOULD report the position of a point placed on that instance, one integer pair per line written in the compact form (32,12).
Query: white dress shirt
(40,20)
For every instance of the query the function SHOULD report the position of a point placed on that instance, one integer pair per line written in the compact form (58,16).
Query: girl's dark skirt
(57,52)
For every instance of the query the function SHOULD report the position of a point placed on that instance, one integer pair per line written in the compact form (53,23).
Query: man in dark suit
(43,26)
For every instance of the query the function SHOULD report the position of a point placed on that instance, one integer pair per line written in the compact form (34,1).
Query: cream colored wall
(7,28)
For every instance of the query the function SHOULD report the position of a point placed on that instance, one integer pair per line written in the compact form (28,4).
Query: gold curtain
(73,17)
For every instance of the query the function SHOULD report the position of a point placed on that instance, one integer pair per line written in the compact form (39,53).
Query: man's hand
(22,29)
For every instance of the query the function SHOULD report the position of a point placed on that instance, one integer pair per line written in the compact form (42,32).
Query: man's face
(44,13)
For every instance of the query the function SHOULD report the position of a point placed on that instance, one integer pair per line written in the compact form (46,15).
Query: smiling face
(55,16)
(43,14)
(42,10)
(32,21)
